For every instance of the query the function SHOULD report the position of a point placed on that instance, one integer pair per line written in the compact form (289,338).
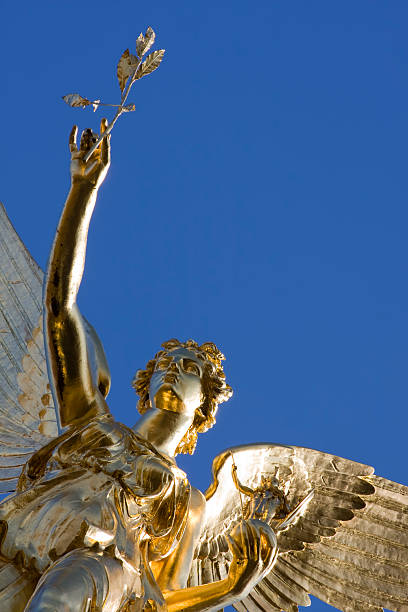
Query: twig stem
(96,103)
(117,114)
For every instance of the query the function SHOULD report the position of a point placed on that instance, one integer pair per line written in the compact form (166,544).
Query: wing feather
(349,547)
(280,581)
(364,564)
(27,416)
(255,603)
(273,592)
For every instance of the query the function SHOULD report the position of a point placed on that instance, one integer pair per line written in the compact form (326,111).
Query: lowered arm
(253,546)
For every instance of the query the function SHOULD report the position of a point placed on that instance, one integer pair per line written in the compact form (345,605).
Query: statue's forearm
(67,259)
(74,384)
(200,598)
(254,549)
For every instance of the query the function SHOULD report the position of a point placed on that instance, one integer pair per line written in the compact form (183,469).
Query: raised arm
(79,390)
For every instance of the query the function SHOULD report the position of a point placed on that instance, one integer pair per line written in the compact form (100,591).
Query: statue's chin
(167,399)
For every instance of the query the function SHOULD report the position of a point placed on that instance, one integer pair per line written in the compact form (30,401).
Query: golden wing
(348,546)
(27,415)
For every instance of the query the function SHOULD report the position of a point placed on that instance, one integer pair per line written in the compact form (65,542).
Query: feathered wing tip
(16,587)
(27,415)
(349,548)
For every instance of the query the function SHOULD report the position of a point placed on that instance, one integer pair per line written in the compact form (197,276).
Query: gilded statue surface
(100,518)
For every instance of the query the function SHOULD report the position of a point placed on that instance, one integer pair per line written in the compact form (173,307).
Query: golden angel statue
(100,518)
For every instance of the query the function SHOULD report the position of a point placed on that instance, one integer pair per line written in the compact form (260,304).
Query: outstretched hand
(93,171)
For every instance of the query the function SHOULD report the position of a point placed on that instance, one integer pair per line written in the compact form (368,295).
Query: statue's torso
(87,489)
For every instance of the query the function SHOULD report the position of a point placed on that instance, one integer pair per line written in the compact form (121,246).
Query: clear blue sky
(257,198)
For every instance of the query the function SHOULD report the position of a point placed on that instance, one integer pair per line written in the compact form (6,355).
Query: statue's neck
(163,429)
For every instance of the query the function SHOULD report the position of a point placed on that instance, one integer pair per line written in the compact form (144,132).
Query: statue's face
(176,382)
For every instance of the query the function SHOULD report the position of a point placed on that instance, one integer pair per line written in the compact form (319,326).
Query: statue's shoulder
(112,437)
(105,432)
(102,437)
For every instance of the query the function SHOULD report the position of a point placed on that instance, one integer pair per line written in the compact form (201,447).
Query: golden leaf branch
(117,114)
(130,68)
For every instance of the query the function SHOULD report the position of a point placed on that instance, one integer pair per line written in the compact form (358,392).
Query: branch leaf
(126,67)
(144,43)
(150,64)
(76,100)
(128,108)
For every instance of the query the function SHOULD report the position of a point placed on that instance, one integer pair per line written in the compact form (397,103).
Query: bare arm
(77,392)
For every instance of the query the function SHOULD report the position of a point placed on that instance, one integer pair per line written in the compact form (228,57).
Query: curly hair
(215,389)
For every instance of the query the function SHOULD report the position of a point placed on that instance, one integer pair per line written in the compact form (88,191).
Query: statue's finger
(268,543)
(105,150)
(88,138)
(253,534)
(104,147)
(270,558)
(234,547)
(242,534)
(72,139)
(84,141)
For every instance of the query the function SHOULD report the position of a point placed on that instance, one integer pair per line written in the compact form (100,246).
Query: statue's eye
(191,367)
